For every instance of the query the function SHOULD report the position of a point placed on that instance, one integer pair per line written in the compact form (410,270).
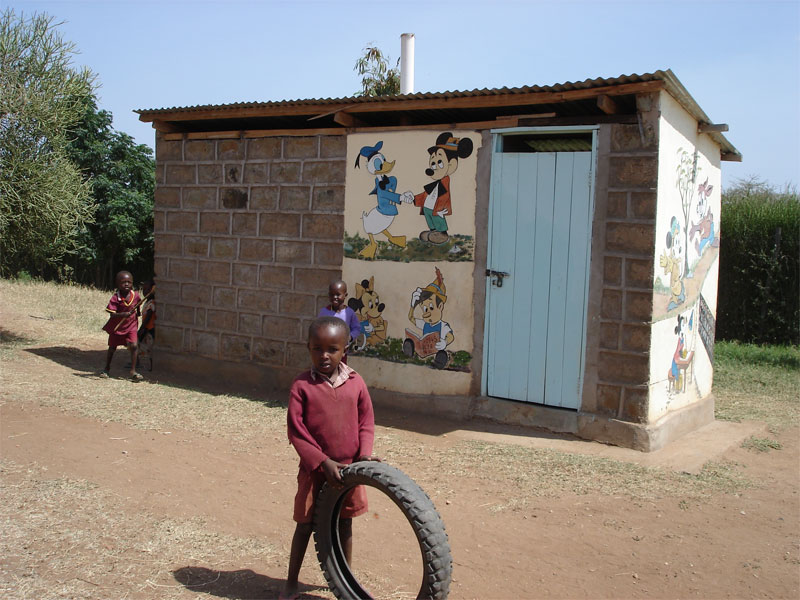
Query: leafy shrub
(759,277)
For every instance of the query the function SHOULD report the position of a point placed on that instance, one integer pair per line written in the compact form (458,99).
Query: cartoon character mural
(369,309)
(434,201)
(672,264)
(426,312)
(379,219)
(704,228)
(682,357)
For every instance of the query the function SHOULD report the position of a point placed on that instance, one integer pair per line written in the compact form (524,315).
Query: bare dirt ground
(112,489)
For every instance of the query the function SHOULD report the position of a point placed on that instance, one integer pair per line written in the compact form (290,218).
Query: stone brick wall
(248,234)
(623,356)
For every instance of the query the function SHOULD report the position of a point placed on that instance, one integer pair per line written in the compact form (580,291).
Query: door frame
(497,135)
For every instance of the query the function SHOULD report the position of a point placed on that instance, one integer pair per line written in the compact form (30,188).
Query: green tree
(121,174)
(44,201)
(377,79)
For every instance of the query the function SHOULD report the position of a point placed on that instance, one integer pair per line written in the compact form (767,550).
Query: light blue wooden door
(539,233)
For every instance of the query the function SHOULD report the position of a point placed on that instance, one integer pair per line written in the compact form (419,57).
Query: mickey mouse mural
(434,201)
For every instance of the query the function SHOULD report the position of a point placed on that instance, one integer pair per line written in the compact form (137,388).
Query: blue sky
(739,60)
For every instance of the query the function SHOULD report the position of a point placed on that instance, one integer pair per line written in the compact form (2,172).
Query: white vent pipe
(407,63)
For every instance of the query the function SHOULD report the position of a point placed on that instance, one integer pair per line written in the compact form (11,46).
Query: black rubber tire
(417,508)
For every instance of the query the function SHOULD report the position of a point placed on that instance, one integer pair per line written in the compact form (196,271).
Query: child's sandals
(136,377)
(103,374)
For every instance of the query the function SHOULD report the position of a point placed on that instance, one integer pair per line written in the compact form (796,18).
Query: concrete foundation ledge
(509,412)
(647,438)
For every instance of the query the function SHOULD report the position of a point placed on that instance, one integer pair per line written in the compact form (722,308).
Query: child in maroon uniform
(123,324)
(330,425)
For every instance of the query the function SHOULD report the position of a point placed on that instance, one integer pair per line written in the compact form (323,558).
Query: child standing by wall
(337,294)
(330,425)
(123,324)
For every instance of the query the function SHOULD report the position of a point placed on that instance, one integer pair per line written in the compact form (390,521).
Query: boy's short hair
(333,322)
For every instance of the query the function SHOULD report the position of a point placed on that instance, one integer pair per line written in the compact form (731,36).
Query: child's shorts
(309,484)
(125,339)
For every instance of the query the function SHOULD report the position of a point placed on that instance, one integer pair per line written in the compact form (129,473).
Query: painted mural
(409,242)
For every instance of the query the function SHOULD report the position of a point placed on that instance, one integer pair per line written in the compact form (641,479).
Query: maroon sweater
(324,422)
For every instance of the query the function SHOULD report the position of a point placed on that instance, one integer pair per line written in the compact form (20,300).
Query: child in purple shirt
(337,294)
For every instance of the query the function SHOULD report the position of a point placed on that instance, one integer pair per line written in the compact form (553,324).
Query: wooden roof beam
(712,128)
(607,105)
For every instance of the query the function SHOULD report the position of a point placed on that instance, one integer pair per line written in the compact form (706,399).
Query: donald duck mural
(379,219)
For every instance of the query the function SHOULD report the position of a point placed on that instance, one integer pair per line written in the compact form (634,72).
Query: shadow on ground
(244,583)
(88,363)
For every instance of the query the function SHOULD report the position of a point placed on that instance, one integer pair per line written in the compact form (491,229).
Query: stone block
(181,174)
(233,198)
(633,171)
(313,280)
(200,198)
(612,270)
(166,197)
(328,254)
(174,313)
(159,220)
(249,324)
(224,248)
(635,404)
(264,197)
(256,173)
(168,150)
(608,399)
(165,243)
(635,238)
(161,174)
(297,356)
(284,172)
(617,207)
(195,245)
(300,147)
(204,343)
(264,148)
(268,352)
(619,367)
(292,252)
(200,318)
(198,150)
(185,269)
(639,273)
(233,173)
(638,306)
(182,221)
(609,335)
(636,337)
(628,138)
(245,275)
(325,171)
(214,272)
(235,347)
(215,222)
(297,304)
(333,146)
(160,268)
(257,300)
(224,297)
(256,250)
(224,320)
(275,277)
(230,150)
(611,305)
(196,293)
(328,198)
(170,338)
(643,205)
(281,328)
(279,225)
(323,227)
(168,291)
(245,224)
(209,174)
(295,197)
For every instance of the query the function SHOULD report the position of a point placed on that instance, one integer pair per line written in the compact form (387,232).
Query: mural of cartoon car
(425,346)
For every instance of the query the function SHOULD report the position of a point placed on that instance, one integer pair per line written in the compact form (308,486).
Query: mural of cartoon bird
(379,219)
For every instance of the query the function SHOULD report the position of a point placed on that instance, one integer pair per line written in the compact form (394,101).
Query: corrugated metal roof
(435,107)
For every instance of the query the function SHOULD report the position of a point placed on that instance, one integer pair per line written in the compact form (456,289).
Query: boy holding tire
(330,424)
